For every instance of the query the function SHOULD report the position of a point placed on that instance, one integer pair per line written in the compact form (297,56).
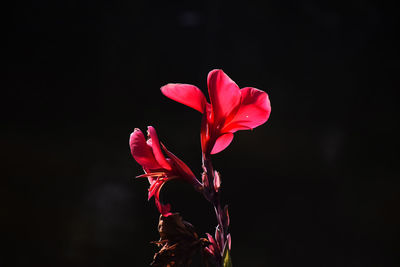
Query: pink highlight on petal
(186,94)
(141,152)
(224,94)
(254,110)
(157,149)
(222,142)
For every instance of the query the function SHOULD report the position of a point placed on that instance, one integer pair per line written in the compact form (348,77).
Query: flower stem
(213,196)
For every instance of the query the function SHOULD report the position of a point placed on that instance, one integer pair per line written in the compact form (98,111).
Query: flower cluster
(230,109)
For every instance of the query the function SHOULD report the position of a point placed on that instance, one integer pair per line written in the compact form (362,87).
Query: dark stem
(218,213)
(215,200)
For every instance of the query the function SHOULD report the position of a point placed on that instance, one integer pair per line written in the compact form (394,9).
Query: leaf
(227,261)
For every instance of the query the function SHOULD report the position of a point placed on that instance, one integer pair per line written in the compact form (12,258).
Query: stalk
(212,194)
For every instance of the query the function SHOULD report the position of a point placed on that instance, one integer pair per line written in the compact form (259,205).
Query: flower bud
(225,217)
(229,241)
(217,181)
(204,179)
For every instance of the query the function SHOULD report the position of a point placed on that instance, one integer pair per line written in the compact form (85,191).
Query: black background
(317,185)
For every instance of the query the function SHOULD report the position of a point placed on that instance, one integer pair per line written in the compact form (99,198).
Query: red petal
(224,94)
(183,169)
(254,110)
(204,132)
(142,152)
(155,187)
(186,94)
(222,142)
(163,209)
(155,144)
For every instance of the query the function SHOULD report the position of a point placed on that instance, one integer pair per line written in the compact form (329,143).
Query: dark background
(317,185)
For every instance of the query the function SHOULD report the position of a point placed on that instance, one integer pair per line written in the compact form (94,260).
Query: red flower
(231,108)
(159,169)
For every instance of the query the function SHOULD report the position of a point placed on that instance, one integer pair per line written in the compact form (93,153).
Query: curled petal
(184,171)
(224,94)
(155,144)
(141,151)
(254,110)
(182,167)
(186,94)
(222,142)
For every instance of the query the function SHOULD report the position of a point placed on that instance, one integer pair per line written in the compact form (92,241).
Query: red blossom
(158,168)
(231,108)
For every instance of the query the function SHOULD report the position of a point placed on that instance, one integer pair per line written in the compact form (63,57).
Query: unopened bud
(217,181)
(219,237)
(229,241)
(204,179)
(225,217)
